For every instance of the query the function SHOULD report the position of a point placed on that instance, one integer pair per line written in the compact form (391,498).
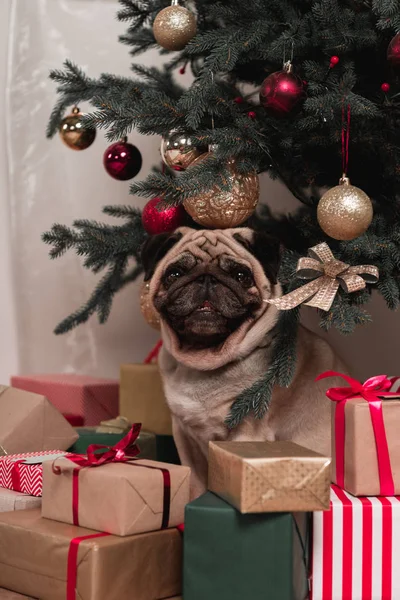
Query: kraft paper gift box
(120,498)
(356,549)
(232,556)
(142,398)
(55,561)
(93,398)
(269,476)
(358,455)
(24,472)
(29,423)
(10,500)
(8,595)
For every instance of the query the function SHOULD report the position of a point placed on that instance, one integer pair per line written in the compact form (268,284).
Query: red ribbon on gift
(16,475)
(123,451)
(369,391)
(72,564)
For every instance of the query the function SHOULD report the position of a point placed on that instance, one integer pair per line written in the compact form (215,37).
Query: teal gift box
(234,556)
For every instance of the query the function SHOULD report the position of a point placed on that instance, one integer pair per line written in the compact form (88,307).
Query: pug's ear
(266,249)
(154,249)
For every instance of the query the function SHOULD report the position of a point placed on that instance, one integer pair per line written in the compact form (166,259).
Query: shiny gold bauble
(178,151)
(222,209)
(147,309)
(344,212)
(74,134)
(174,27)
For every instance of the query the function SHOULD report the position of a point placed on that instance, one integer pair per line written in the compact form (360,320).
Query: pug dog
(211,289)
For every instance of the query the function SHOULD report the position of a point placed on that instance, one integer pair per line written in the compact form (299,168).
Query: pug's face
(208,290)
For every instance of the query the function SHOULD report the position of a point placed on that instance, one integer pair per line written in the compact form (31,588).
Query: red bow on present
(124,450)
(369,391)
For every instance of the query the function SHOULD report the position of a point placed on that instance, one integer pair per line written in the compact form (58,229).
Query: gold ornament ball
(222,209)
(74,134)
(174,27)
(344,212)
(147,309)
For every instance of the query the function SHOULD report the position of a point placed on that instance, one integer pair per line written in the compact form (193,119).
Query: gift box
(365,436)
(55,561)
(10,500)
(29,423)
(142,398)
(93,398)
(166,450)
(232,556)
(130,497)
(269,476)
(89,435)
(8,595)
(355,549)
(24,472)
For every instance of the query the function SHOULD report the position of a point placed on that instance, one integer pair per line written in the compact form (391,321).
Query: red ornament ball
(238,100)
(281,93)
(122,161)
(334,61)
(251,114)
(385,87)
(155,221)
(393,53)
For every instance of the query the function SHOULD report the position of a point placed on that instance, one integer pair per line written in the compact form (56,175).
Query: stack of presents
(94,506)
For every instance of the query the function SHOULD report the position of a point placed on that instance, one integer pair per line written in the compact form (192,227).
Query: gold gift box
(142,398)
(269,476)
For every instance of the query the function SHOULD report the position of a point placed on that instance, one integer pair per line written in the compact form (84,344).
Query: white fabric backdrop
(42,182)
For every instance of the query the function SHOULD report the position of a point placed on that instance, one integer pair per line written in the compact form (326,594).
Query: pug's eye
(244,277)
(172,275)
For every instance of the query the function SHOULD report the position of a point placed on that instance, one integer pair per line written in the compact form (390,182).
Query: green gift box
(234,556)
(88,435)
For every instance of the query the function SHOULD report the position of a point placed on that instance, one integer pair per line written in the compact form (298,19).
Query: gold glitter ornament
(174,27)
(344,212)
(222,209)
(73,134)
(147,309)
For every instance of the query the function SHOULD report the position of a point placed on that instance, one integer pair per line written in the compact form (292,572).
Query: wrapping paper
(142,398)
(361,473)
(131,497)
(140,567)
(231,556)
(29,423)
(16,474)
(93,398)
(269,476)
(10,500)
(88,435)
(8,595)
(355,550)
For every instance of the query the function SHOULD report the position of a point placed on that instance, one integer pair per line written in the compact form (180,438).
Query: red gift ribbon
(153,354)
(72,564)
(16,475)
(123,451)
(369,391)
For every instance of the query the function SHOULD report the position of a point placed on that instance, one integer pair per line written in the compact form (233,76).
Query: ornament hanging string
(345,138)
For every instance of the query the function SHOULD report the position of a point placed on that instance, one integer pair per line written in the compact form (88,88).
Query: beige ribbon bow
(328,274)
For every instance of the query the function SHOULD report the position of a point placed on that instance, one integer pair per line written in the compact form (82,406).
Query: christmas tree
(304,90)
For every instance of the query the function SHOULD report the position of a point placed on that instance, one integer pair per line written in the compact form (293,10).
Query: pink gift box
(24,472)
(93,398)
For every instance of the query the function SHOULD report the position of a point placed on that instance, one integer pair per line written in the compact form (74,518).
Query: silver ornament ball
(178,151)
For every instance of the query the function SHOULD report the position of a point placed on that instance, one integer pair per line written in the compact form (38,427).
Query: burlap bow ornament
(327,274)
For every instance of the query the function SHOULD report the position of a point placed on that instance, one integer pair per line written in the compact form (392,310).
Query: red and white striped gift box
(356,549)
(16,475)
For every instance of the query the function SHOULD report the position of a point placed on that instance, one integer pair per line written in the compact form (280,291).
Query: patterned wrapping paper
(269,476)
(93,398)
(11,500)
(16,475)
(356,549)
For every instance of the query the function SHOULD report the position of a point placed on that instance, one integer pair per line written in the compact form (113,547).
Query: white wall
(49,183)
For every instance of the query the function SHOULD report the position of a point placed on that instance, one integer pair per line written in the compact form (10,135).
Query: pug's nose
(207,279)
